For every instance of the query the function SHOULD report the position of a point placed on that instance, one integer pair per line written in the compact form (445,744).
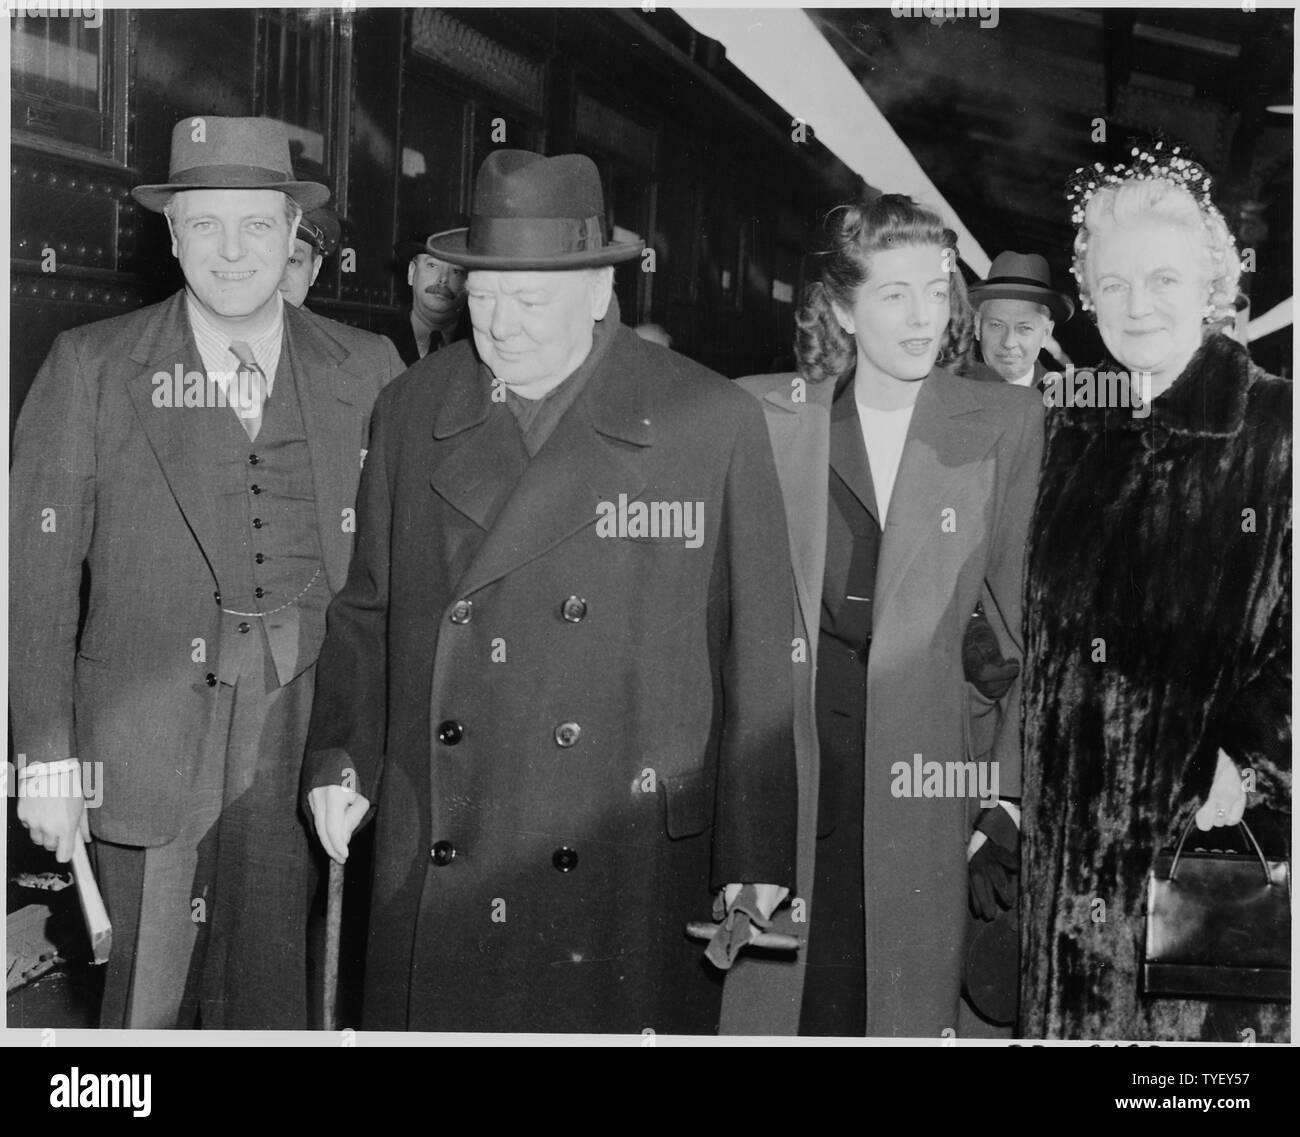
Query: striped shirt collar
(214,344)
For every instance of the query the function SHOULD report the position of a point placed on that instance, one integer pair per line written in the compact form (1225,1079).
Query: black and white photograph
(650,526)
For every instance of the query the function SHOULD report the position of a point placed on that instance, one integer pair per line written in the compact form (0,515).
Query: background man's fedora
(532,212)
(213,152)
(409,248)
(1022,276)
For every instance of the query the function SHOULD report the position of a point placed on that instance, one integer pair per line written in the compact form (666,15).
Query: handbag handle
(1259,853)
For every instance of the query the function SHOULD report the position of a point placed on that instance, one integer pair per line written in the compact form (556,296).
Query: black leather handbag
(1218,922)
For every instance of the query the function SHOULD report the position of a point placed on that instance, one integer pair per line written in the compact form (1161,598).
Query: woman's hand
(1226,801)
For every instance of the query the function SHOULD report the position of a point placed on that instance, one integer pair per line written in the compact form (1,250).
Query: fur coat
(1158,628)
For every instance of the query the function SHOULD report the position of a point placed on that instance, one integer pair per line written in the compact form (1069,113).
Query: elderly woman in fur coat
(1157,619)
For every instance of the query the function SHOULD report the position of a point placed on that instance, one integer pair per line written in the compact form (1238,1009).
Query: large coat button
(210,679)
(462,612)
(573,609)
(450,732)
(567,733)
(443,853)
(565,859)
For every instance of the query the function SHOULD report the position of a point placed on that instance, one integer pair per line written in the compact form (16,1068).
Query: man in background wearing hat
(318,237)
(560,667)
(436,317)
(198,460)
(1016,309)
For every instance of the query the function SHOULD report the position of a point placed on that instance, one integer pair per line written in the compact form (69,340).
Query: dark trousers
(835,991)
(210,929)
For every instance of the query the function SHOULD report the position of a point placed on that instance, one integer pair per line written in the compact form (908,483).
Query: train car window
(61,80)
(300,57)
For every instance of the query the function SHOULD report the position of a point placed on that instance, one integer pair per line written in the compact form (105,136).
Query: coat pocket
(688,804)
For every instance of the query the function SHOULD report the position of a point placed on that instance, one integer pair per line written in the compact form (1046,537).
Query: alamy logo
(89,14)
(181,388)
(945,779)
(101,1091)
(1126,390)
(671,520)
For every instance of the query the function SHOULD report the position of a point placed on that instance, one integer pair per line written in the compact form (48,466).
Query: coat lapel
(165,345)
(478,455)
(944,440)
(801,447)
(559,490)
(849,453)
(332,419)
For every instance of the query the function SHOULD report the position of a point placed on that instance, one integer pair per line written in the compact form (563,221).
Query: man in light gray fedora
(1016,309)
(198,460)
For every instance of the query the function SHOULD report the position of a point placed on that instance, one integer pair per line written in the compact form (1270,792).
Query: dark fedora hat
(1022,276)
(532,212)
(408,248)
(214,152)
(321,229)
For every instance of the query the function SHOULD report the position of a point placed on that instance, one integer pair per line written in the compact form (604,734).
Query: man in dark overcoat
(198,461)
(560,667)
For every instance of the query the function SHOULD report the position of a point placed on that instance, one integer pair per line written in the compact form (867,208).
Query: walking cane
(333,930)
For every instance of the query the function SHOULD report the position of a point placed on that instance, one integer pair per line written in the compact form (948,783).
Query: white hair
(1139,199)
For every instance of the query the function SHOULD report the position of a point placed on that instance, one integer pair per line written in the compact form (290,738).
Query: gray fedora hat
(215,152)
(533,212)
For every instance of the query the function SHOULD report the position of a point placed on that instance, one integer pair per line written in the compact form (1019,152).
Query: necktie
(249,395)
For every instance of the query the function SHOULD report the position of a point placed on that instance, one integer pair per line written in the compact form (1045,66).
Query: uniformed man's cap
(320,228)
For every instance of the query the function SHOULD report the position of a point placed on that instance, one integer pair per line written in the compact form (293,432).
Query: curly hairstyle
(854,232)
(1141,198)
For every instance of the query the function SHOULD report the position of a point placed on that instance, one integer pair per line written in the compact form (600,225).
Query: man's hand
(1226,801)
(745,911)
(52,810)
(337,812)
(767,897)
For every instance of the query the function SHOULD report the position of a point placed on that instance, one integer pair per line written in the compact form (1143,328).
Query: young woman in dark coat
(1157,618)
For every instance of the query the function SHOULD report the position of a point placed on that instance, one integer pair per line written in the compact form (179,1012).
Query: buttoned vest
(274,596)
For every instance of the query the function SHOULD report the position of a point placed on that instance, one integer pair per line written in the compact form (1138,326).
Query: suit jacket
(582,721)
(955,534)
(362,344)
(399,330)
(105,480)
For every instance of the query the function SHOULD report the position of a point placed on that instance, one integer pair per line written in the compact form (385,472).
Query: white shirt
(883,434)
(1026,380)
(221,364)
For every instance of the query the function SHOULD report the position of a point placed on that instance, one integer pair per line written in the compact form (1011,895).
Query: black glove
(982,661)
(994,867)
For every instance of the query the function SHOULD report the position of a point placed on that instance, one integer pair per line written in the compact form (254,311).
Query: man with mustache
(435,318)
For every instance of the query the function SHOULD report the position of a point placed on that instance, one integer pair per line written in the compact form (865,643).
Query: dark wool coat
(621,707)
(1168,540)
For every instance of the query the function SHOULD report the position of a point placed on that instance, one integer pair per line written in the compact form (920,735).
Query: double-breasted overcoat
(573,727)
